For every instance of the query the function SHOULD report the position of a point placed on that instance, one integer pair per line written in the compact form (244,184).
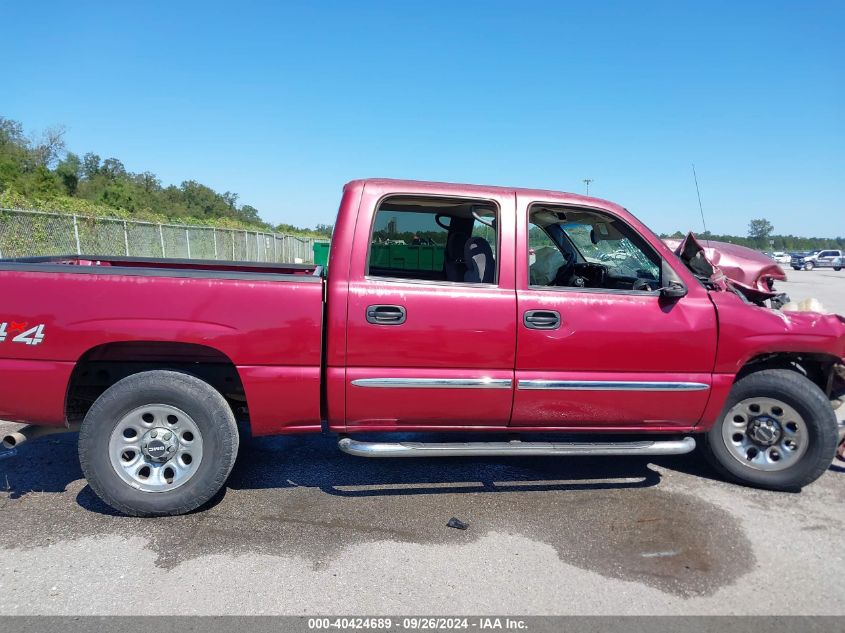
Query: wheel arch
(103,365)
(817,366)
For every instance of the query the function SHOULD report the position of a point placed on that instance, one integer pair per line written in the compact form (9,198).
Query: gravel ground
(305,529)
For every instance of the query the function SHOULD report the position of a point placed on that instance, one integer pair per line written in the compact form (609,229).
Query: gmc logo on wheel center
(21,332)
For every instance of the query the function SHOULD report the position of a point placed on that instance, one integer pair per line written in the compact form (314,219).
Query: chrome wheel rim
(765,434)
(156,448)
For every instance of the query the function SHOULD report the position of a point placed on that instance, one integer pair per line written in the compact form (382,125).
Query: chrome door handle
(541,319)
(386,315)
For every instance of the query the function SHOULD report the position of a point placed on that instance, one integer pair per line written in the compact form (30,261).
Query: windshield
(620,256)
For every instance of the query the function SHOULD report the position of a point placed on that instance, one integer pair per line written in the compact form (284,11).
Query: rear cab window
(441,240)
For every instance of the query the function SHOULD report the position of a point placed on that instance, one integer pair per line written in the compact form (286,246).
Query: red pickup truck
(506,312)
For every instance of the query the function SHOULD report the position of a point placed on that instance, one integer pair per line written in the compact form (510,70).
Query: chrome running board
(485,449)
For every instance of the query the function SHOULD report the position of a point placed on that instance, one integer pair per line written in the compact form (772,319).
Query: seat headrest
(481,266)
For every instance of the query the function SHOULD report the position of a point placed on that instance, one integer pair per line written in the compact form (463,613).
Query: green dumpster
(321,253)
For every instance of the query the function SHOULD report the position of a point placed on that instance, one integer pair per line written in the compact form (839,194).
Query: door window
(580,249)
(435,239)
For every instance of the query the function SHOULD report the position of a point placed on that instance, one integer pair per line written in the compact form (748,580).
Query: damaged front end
(730,267)
(721,266)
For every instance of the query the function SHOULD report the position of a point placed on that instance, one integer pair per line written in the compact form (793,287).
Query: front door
(826,259)
(431,325)
(598,347)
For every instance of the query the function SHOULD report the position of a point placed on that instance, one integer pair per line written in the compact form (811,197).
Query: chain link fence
(35,233)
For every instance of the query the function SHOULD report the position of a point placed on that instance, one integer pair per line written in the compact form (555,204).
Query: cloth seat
(481,266)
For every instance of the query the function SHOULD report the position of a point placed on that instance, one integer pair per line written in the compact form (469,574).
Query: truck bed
(262,320)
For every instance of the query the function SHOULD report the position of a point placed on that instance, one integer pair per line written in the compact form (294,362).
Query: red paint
(747,331)
(252,323)
(273,333)
(282,399)
(33,391)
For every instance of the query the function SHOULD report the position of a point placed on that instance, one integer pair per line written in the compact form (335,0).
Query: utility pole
(587,182)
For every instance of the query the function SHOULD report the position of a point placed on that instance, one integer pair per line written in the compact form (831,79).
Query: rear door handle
(541,319)
(386,315)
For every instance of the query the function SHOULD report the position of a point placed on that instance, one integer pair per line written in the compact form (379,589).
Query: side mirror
(674,290)
(673,287)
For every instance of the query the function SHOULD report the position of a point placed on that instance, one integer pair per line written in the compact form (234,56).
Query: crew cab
(817,259)
(502,312)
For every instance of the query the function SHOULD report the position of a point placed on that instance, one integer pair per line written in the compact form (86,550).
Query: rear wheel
(158,443)
(837,268)
(777,431)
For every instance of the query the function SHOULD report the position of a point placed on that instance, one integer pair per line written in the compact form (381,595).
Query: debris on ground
(457,524)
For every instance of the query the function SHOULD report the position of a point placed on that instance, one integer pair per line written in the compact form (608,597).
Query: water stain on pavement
(300,497)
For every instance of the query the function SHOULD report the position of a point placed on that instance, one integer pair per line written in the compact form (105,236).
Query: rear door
(598,347)
(430,337)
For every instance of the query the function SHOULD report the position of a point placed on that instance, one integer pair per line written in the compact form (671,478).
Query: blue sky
(284,102)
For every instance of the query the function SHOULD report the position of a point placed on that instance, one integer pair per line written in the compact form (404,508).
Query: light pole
(587,182)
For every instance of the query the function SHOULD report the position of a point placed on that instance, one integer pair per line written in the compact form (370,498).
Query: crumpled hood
(729,265)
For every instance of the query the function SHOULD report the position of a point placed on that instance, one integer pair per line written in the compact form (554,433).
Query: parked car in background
(781,258)
(817,259)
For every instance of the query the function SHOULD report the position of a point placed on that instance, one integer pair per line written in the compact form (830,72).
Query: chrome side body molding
(434,383)
(610,385)
(482,449)
(506,383)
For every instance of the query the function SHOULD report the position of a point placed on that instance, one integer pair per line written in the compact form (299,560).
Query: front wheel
(809,266)
(158,443)
(777,431)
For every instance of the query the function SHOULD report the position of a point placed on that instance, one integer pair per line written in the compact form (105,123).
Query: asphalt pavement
(304,529)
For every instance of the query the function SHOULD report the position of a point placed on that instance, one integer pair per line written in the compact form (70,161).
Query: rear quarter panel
(271,330)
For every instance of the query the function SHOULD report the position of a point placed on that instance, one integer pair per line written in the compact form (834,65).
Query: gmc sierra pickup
(506,312)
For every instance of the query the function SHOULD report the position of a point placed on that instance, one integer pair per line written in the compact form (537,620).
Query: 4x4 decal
(20,332)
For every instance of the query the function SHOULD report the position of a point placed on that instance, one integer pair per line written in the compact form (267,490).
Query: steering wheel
(564,274)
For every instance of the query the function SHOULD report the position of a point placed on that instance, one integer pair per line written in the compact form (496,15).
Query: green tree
(11,133)
(147,181)
(69,171)
(113,169)
(249,214)
(759,230)
(324,229)
(46,150)
(90,165)
(42,183)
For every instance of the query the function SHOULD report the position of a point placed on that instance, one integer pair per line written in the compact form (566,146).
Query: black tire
(209,411)
(809,401)
(837,268)
(796,268)
(808,266)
